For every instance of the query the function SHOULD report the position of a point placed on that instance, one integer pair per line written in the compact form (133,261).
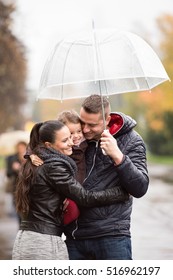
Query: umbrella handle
(104,153)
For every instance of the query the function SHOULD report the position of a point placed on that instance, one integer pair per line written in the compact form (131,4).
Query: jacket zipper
(94,159)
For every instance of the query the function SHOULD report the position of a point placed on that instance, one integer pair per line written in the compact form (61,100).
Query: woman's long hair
(23,187)
(40,133)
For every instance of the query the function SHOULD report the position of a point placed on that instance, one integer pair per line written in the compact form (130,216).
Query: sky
(40,24)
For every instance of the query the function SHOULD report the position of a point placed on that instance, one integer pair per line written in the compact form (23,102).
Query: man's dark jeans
(103,248)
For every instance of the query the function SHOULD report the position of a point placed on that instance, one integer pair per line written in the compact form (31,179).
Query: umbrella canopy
(103,61)
(8,140)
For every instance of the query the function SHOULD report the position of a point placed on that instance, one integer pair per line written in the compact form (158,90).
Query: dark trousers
(103,248)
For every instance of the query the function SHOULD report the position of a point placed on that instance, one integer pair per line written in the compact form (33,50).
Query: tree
(155,110)
(12,72)
(161,103)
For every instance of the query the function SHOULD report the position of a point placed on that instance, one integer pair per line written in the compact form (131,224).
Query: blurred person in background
(13,166)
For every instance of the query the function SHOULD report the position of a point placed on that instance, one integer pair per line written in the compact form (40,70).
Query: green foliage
(161,142)
(154,111)
(2,162)
(155,159)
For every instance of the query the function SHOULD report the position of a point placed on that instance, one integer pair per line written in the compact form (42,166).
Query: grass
(2,162)
(167,160)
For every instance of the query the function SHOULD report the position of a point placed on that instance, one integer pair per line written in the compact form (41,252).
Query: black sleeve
(133,173)
(65,184)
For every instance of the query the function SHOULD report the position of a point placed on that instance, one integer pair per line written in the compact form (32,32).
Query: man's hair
(93,104)
(70,116)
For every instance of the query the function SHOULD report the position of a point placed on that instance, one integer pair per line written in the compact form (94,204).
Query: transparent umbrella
(103,59)
(100,61)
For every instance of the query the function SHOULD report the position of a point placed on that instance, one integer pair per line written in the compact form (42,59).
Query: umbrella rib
(97,66)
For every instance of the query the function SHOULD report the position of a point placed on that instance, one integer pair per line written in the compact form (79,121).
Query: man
(104,232)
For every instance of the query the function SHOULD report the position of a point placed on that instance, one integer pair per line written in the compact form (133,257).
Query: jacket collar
(49,155)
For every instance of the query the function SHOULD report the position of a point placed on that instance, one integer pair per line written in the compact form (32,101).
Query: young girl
(41,191)
(71,119)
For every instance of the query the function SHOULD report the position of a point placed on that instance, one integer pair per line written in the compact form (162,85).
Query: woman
(13,165)
(41,191)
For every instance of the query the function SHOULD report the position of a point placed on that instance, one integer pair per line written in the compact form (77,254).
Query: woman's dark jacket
(102,174)
(52,183)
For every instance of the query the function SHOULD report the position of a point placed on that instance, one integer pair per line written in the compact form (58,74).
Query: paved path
(8,222)
(152,221)
(8,229)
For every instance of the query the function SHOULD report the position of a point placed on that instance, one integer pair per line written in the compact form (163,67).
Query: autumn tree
(154,110)
(12,72)
(160,103)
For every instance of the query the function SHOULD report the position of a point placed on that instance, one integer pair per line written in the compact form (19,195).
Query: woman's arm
(65,184)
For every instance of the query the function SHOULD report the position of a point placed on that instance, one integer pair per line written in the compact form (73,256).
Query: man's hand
(109,145)
(36,160)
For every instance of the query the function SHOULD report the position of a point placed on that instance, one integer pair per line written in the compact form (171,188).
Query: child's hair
(70,116)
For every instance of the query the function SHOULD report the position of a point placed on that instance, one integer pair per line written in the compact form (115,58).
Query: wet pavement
(152,219)
(152,223)
(8,222)
(8,229)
